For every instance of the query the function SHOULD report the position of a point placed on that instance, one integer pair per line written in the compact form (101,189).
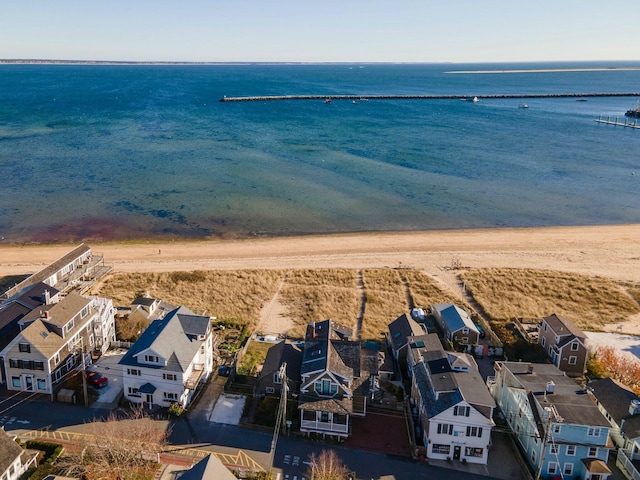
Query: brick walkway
(382,431)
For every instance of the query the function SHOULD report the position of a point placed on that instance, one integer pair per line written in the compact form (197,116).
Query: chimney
(530,368)
(634,407)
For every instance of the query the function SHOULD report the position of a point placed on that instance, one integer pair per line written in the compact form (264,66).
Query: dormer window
(277,378)
(465,330)
(326,387)
(84,312)
(151,359)
(574,346)
(69,326)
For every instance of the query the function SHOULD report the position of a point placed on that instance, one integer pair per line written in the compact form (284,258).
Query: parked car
(224,370)
(480,330)
(96,379)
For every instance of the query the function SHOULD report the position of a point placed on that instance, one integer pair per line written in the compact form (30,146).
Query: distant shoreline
(544,70)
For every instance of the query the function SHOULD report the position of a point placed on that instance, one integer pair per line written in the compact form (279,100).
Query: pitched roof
(209,468)
(571,402)
(401,328)
(564,326)
(281,352)
(34,296)
(9,450)
(174,338)
(309,401)
(454,317)
(617,400)
(60,313)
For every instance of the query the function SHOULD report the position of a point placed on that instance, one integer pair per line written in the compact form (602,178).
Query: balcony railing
(196,374)
(325,427)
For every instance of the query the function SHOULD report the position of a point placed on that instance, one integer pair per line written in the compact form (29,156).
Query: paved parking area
(228,409)
(108,366)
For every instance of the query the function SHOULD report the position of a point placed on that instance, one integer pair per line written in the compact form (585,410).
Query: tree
(327,466)
(119,448)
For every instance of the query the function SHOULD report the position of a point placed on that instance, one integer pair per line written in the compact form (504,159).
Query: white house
(51,341)
(455,406)
(169,360)
(14,461)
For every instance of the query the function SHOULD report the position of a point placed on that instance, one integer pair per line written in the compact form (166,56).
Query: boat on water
(328,100)
(474,99)
(633,112)
(581,100)
(523,105)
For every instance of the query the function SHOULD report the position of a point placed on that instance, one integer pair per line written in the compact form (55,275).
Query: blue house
(561,431)
(455,323)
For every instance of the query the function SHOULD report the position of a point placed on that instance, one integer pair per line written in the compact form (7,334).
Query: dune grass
(316,295)
(425,291)
(591,302)
(386,299)
(253,358)
(236,296)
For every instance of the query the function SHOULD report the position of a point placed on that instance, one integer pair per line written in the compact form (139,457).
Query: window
(13,363)
(24,348)
(38,365)
(571,450)
(554,449)
(56,359)
(552,468)
(442,449)
(169,376)
(573,360)
(544,342)
(91,340)
(544,326)
(465,330)
(556,429)
(133,371)
(170,396)
(276,378)
(461,411)
(445,429)
(324,417)
(473,452)
(15,382)
(593,451)
(151,358)
(326,387)
(533,456)
(85,312)
(69,326)
(270,390)
(574,346)
(474,431)
(42,384)
(593,432)
(134,392)
(568,469)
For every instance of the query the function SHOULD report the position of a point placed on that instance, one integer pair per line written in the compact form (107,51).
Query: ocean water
(98,152)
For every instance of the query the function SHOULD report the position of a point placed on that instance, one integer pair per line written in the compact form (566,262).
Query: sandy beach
(611,251)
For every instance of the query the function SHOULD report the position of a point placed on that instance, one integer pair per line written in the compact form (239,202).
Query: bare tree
(119,448)
(327,466)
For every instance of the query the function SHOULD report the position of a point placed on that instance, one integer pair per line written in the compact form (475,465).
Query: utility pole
(281,416)
(84,379)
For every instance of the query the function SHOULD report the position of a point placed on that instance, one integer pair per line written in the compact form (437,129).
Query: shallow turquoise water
(98,152)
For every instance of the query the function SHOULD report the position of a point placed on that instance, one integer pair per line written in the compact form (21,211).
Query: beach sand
(609,251)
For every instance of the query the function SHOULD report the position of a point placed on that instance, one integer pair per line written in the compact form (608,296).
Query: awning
(147,388)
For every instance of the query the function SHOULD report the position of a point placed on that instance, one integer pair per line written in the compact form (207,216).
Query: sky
(428,31)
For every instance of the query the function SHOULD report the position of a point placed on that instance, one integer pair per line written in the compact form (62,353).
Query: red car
(96,379)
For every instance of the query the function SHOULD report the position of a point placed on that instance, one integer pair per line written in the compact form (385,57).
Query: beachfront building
(270,381)
(14,460)
(339,376)
(398,334)
(455,409)
(564,343)
(559,427)
(172,357)
(455,323)
(52,341)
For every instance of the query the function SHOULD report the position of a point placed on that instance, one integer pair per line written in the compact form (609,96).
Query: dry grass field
(315,295)
(591,302)
(236,295)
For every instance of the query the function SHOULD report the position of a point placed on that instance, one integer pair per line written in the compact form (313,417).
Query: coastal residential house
(559,427)
(54,274)
(270,381)
(455,323)
(169,360)
(51,343)
(338,377)
(564,343)
(14,461)
(13,310)
(621,406)
(400,330)
(455,409)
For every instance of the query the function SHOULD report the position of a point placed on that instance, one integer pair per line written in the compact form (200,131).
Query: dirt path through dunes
(273,317)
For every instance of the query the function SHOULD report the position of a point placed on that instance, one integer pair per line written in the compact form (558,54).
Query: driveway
(108,366)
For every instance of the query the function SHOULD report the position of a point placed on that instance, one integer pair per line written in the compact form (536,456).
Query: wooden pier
(627,123)
(266,98)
